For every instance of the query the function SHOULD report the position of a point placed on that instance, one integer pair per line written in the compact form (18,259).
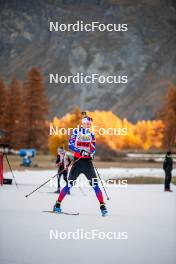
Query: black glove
(92,156)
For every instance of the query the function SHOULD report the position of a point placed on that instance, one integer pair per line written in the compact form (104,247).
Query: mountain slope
(146,52)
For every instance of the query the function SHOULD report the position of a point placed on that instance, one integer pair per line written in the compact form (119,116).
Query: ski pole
(11,170)
(102,184)
(107,197)
(100,178)
(41,186)
(48,180)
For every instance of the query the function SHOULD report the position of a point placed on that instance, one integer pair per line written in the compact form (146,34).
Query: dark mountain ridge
(146,53)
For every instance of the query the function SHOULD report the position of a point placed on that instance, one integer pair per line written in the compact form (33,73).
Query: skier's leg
(58,182)
(74,173)
(66,179)
(66,189)
(90,173)
(98,193)
(63,193)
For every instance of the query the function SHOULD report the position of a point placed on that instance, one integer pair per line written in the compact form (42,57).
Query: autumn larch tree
(12,113)
(168,116)
(3,97)
(35,111)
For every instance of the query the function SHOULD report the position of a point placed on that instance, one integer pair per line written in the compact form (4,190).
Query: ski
(65,213)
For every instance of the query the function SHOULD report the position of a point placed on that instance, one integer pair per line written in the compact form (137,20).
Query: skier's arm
(58,160)
(69,161)
(93,145)
(72,141)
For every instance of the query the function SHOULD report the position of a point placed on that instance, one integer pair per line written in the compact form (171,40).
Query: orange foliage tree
(168,116)
(122,133)
(12,113)
(35,111)
(67,123)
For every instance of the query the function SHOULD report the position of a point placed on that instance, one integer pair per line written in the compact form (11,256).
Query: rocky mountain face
(146,53)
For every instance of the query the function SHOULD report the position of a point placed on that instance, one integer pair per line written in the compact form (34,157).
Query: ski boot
(103,209)
(57,208)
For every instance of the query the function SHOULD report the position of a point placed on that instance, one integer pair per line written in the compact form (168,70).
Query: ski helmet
(86,119)
(60,151)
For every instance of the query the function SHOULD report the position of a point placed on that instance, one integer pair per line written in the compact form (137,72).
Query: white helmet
(60,151)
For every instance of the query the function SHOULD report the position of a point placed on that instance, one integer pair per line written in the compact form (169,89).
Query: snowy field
(144,213)
(37,177)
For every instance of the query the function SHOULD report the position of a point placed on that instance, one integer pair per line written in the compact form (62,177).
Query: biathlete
(82,143)
(62,162)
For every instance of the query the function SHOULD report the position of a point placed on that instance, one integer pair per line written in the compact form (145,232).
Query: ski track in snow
(145,212)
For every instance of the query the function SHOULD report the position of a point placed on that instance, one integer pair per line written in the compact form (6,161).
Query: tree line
(24,111)
(24,116)
(144,134)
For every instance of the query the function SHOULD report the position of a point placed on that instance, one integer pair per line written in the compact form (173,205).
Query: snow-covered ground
(143,214)
(31,177)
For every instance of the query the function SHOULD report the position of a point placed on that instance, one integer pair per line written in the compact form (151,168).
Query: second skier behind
(62,162)
(82,143)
